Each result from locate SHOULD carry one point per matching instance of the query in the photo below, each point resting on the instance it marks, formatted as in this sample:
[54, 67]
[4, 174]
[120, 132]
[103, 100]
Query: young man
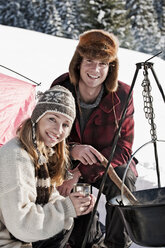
[100, 99]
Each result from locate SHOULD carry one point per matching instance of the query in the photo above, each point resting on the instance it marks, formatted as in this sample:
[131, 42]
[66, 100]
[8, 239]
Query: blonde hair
[56, 163]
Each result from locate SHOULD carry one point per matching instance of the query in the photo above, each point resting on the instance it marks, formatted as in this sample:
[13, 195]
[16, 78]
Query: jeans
[57, 241]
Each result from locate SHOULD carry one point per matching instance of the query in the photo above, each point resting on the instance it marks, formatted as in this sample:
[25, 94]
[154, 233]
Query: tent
[17, 100]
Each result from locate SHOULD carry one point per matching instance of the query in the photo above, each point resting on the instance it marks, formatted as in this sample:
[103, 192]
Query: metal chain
[148, 106]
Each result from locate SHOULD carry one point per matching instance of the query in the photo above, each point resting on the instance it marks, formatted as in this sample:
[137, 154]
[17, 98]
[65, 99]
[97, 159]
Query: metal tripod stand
[150, 116]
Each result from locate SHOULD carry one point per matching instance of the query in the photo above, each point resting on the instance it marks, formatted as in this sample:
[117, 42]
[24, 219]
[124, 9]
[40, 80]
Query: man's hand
[68, 185]
[86, 154]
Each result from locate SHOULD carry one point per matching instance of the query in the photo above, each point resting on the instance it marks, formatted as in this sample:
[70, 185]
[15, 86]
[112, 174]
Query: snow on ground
[43, 57]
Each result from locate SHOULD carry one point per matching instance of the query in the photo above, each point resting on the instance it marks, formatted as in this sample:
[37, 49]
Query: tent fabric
[17, 100]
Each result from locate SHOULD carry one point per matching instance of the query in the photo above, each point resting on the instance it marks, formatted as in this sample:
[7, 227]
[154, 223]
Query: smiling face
[53, 128]
[93, 72]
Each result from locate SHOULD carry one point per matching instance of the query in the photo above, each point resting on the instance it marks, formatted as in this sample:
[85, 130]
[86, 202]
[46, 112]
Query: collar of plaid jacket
[109, 102]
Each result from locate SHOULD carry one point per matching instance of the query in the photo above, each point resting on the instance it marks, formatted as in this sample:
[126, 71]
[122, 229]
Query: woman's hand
[86, 154]
[82, 204]
[68, 185]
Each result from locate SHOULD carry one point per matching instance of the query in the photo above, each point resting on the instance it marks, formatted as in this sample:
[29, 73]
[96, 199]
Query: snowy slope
[43, 57]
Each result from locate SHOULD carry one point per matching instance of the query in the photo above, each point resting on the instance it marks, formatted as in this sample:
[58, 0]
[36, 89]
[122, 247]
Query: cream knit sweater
[19, 215]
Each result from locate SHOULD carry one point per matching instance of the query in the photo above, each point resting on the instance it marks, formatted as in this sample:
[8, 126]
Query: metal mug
[84, 188]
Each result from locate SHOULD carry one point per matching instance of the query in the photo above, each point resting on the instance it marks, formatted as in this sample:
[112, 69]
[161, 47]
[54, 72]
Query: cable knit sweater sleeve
[18, 212]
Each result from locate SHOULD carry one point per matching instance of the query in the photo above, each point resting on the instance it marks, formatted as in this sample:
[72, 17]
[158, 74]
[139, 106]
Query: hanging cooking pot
[145, 221]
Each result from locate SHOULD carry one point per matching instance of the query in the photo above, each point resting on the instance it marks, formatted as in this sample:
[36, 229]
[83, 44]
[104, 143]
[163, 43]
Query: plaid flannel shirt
[102, 125]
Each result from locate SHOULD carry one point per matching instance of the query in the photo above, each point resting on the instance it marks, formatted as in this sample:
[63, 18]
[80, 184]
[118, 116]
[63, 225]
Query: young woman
[32, 165]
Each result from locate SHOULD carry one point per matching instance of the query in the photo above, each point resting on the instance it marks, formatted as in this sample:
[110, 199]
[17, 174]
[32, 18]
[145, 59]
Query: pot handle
[127, 166]
[116, 179]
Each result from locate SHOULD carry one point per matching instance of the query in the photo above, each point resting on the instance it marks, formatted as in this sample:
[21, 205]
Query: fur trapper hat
[97, 45]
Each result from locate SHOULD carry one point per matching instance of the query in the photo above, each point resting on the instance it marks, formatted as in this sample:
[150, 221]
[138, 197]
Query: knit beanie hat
[58, 99]
[97, 45]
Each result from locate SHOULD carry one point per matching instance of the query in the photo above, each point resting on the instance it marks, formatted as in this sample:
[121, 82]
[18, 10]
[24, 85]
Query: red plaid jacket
[100, 129]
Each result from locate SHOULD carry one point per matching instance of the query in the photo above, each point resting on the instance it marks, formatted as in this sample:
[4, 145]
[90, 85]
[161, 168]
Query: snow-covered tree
[144, 25]
[115, 20]
[67, 12]
[39, 15]
[160, 9]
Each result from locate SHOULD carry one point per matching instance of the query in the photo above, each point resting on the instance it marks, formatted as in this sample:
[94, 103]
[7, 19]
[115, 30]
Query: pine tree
[160, 9]
[68, 14]
[38, 15]
[144, 25]
[42, 16]
[115, 20]
[88, 15]
[108, 15]
[11, 14]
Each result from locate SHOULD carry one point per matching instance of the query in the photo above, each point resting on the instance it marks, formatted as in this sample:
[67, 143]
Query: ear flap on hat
[74, 68]
[111, 81]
